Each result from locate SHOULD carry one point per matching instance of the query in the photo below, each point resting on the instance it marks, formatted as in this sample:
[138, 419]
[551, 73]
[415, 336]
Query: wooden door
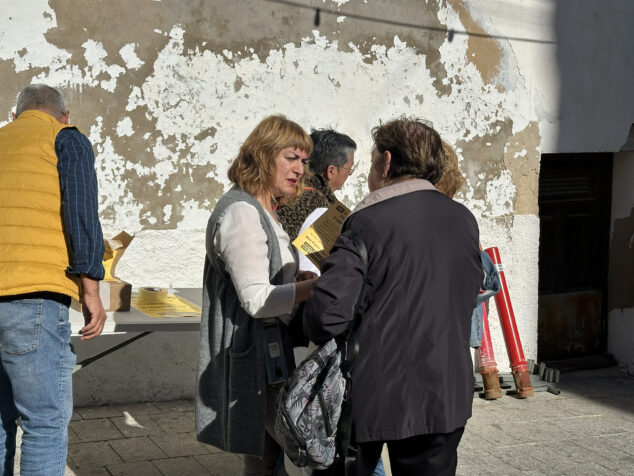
[574, 209]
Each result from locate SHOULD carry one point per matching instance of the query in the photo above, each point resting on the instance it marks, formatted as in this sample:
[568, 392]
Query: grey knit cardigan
[231, 377]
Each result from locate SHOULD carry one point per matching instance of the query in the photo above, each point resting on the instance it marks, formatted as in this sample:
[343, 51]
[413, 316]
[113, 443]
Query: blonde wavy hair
[254, 168]
[451, 179]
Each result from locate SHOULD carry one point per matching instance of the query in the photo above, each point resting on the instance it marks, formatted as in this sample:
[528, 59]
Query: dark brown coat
[413, 374]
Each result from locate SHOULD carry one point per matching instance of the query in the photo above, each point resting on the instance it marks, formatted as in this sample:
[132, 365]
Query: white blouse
[240, 242]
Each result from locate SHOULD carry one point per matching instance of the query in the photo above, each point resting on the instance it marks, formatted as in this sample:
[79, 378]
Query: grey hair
[41, 97]
[329, 148]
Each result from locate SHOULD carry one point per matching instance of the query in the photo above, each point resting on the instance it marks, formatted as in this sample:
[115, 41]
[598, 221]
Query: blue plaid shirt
[78, 185]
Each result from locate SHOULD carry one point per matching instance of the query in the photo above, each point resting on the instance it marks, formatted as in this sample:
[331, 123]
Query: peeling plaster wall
[167, 90]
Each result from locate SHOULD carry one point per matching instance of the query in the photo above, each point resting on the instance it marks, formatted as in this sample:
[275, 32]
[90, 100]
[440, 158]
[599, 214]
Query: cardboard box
[119, 294]
[115, 293]
[115, 296]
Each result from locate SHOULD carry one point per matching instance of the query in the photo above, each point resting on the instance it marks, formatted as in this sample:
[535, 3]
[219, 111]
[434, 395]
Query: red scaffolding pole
[486, 358]
[519, 368]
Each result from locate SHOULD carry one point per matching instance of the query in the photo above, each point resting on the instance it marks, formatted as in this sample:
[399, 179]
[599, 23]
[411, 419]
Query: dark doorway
[574, 209]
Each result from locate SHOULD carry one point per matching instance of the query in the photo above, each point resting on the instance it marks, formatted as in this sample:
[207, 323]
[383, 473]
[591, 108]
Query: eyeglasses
[350, 170]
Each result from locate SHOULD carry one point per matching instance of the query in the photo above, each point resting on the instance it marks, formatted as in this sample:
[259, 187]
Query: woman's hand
[306, 275]
[303, 288]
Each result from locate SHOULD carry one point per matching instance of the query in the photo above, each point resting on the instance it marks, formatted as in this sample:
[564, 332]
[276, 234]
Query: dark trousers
[435, 454]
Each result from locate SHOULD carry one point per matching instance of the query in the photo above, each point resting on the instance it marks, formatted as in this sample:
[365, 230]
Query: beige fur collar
[391, 191]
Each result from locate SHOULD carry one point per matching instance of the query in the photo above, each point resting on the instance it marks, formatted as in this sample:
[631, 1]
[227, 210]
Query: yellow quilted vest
[33, 251]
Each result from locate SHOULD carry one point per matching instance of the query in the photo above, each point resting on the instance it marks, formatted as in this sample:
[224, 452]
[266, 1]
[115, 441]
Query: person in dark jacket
[412, 380]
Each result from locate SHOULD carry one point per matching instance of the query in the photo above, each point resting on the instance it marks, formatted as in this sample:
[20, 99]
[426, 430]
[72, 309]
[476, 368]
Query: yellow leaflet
[317, 240]
[172, 306]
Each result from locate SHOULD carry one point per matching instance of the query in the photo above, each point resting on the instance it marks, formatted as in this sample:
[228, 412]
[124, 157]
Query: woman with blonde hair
[451, 180]
[251, 285]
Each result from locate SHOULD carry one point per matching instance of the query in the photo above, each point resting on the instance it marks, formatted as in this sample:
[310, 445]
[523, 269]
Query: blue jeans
[491, 285]
[36, 365]
[379, 470]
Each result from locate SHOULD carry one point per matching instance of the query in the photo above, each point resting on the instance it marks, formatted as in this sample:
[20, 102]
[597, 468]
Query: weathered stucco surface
[167, 96]
[483, 51]
[167, 90]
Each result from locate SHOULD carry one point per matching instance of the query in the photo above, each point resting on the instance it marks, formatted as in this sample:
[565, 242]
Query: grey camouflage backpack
[309, 408]
[312, 422]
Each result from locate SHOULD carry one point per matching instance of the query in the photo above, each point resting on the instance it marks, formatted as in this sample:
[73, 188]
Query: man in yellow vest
[51, 250]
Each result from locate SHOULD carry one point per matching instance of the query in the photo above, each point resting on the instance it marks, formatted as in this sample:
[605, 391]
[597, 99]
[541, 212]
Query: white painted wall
[552, 73]
[622, 186]
[583, 98]
[576, 58]
[621, 320]
[621, 337]
[158, 367]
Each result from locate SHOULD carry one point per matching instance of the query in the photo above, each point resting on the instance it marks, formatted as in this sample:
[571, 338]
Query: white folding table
[121, 322]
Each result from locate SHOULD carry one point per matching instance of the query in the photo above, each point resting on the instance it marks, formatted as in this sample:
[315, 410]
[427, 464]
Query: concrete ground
[587, 429]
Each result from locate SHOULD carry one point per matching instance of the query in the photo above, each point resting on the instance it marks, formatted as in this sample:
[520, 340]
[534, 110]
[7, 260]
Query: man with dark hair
[51, 250]
[331, 163]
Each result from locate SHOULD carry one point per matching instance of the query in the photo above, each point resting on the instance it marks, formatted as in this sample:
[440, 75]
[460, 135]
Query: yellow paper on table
[317, 240]
[168, 306]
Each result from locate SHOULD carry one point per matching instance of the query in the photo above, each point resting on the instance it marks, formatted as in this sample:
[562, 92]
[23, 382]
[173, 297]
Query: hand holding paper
[317, 240]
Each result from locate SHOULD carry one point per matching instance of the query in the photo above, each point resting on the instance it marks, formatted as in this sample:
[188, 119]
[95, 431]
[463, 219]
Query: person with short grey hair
[52, 251]
[42, 97]
[332, 150]
[331, 163]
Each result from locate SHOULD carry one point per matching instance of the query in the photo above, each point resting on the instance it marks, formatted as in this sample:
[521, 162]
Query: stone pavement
[587, 429]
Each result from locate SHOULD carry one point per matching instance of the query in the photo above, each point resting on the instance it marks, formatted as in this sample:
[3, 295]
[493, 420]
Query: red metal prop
[486, 357]
[519, 367]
